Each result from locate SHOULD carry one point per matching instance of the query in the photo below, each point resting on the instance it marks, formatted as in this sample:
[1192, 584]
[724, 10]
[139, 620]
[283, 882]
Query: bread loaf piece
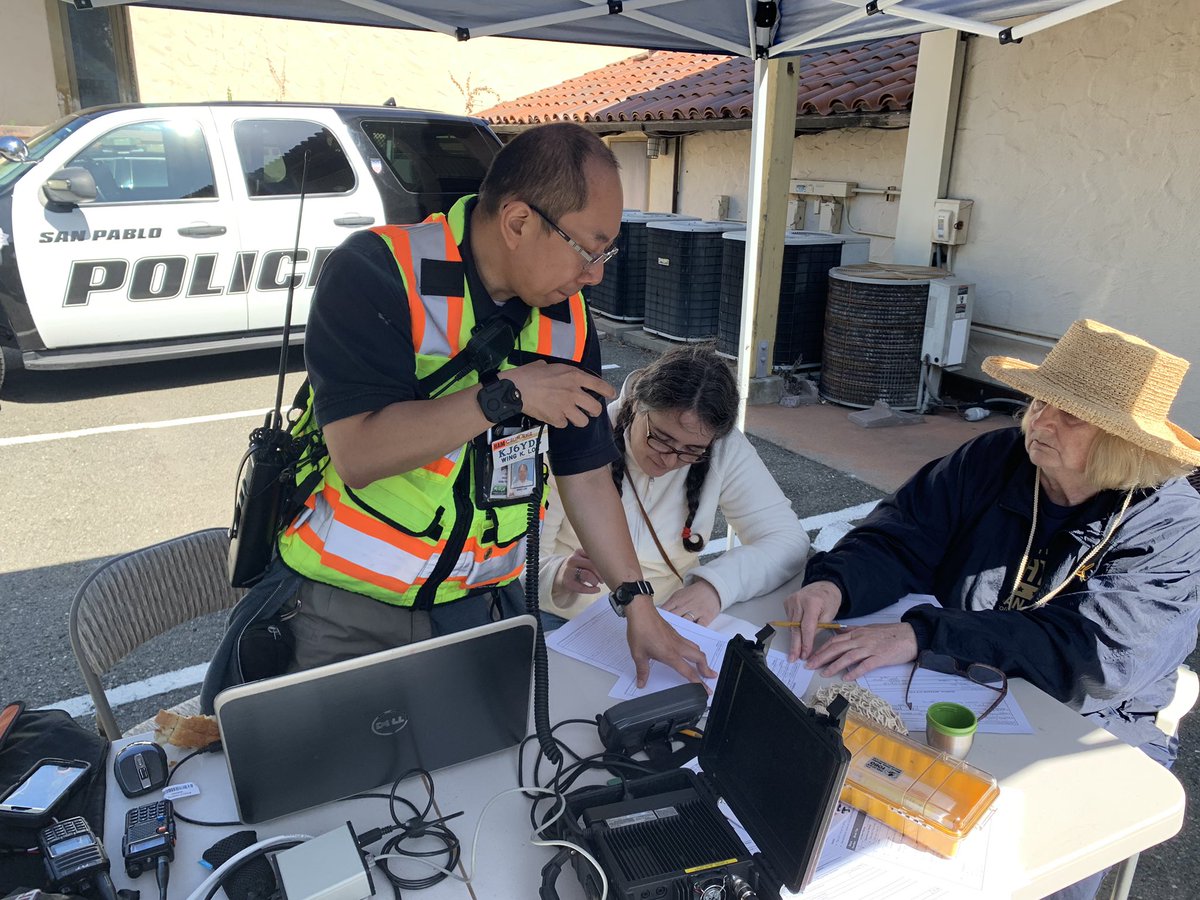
[191, 732]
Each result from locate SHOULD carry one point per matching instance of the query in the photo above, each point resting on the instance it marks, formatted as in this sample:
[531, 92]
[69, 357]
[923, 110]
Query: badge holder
[508, 464]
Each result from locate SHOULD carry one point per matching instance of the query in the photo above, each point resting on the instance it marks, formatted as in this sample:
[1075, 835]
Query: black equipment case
[779, 766]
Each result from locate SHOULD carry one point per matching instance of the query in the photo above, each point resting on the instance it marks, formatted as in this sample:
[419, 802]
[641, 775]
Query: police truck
[143, 232]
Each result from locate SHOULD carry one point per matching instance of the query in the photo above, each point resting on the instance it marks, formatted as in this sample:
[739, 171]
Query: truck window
[39, 146]
[272, 152]
[433, 157]
[144, 161]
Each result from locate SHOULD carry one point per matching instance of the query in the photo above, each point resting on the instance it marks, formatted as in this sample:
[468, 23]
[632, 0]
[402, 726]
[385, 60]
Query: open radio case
[780, 767]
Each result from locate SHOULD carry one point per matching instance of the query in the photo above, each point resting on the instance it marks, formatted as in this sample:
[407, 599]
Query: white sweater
[773, 547]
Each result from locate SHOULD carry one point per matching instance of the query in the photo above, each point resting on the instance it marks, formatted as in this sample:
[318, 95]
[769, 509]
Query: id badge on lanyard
[509, 464]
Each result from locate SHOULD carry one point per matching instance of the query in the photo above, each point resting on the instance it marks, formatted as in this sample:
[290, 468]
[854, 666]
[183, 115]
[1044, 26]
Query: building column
[930, 143]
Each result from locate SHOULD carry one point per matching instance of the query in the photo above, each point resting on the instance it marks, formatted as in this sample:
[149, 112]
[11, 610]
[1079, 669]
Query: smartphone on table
[41, 790]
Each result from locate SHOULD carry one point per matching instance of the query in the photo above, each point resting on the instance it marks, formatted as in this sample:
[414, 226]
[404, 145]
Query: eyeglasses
[979, 673]
[590, 259]
[662, 445]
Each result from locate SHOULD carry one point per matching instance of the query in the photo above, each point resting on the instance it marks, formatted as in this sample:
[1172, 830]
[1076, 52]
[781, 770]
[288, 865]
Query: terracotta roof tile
[667, 85]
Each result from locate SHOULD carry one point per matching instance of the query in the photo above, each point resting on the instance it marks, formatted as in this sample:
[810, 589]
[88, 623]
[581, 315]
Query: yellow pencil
[827, 626]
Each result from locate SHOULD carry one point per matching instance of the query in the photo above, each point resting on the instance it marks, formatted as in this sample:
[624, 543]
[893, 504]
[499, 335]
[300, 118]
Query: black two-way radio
[265, 476]
[75, 859]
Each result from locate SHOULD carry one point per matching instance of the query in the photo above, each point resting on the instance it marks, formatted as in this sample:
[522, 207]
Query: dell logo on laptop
[388, 722]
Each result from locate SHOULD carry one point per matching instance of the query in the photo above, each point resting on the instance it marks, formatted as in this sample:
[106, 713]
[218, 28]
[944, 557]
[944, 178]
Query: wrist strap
[653, 533]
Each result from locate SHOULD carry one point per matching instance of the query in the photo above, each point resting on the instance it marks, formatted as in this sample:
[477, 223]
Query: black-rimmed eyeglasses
[978, 673]
[662, 445]
[590, 259]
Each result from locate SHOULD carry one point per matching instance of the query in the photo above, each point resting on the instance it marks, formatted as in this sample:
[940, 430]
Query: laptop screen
[301, 740]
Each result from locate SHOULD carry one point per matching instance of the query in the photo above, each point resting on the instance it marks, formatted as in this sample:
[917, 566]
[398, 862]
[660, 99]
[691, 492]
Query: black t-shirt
[360, 356]
[1051, 519]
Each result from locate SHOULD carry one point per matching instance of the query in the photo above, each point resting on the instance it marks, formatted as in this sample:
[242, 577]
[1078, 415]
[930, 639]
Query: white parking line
[169, 681]
[138, 690]
[132, 426]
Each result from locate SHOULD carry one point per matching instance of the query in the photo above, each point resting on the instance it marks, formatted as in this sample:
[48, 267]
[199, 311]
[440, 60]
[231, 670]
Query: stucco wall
[718, 163]
[28, 91]
[1081, 150]
[201, 56]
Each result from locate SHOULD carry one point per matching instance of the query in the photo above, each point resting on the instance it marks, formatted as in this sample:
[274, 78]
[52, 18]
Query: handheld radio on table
[149, 836]
[75, 859]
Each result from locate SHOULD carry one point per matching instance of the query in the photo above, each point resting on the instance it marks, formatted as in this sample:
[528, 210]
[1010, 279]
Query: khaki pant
[331, 624]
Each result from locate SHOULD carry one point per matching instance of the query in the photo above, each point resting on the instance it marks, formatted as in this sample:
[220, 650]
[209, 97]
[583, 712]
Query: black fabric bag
[48, 734]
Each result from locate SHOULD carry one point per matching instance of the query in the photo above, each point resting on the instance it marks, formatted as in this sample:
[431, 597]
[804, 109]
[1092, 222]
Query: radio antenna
[275, 419]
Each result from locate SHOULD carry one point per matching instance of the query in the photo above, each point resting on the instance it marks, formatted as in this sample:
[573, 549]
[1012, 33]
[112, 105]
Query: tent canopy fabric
[748, 28]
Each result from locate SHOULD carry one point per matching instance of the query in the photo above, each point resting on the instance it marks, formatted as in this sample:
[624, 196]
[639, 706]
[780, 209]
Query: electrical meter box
[950, 221]
[947, 322]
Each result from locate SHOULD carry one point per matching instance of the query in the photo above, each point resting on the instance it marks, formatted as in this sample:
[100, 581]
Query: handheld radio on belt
[266, 473]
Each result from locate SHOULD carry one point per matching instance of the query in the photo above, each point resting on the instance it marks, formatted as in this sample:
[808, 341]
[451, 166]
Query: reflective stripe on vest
[388, 538]
[360, 547]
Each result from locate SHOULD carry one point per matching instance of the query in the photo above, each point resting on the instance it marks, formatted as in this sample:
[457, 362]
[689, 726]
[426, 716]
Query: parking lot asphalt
[104, 461]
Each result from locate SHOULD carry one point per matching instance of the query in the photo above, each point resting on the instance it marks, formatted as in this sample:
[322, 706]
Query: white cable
[223, 869]
[533, 839]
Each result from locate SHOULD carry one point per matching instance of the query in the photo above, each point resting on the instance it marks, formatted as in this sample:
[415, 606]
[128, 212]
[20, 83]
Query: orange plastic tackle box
[929, 796]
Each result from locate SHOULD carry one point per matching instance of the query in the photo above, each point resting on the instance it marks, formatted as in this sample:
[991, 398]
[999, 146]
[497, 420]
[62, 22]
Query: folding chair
[1187, 690]
[140, 595]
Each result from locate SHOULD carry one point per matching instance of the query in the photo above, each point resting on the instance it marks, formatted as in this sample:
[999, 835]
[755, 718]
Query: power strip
[329, 867]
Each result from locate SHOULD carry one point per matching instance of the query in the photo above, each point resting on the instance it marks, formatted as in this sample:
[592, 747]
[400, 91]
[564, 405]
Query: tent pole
[772, 136]
[1066, 14]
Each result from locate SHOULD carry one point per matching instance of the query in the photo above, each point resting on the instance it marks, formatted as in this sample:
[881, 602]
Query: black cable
[162, 873]
[565, 776]
[207, 748]
[413, 828]
[541, 662]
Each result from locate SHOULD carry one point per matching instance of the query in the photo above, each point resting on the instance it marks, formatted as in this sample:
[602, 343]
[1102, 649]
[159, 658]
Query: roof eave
[666, 127]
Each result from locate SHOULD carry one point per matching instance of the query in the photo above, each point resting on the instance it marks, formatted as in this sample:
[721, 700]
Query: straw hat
[1115, 381]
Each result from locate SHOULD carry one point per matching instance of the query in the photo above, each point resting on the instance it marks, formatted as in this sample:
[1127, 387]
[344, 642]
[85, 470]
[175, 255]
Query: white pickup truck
[131, 233]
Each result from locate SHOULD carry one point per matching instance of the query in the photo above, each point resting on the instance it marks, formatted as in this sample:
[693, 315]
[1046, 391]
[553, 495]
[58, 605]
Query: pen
[826, 626]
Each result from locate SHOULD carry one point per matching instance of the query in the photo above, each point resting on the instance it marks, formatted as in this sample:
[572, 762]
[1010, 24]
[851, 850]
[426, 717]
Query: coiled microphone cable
[541, 664]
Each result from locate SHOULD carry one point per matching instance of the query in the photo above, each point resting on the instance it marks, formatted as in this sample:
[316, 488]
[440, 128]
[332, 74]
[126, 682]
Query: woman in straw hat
[1066, 552]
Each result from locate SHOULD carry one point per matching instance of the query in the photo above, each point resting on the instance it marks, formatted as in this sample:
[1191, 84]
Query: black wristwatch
[499, 398]
[623, 596]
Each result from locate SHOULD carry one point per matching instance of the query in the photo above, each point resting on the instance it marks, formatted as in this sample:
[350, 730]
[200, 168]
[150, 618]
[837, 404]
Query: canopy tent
[769, 32]
[749, 28]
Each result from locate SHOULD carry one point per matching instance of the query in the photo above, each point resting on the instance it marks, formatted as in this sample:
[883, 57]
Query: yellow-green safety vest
[418, 538]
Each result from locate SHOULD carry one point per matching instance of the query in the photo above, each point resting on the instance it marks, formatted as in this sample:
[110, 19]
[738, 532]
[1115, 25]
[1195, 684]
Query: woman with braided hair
[681, 460]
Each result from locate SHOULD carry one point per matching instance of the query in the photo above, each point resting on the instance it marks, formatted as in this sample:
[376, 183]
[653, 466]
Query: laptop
[304, 739]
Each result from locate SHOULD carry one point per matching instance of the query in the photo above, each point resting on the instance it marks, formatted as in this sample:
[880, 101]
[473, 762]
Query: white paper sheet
[794, 675]
[891, 614]
[931, 687]
[863, 858]
[854, 836]
[597, 637]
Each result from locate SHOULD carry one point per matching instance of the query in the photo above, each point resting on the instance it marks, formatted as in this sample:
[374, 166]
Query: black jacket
[1107, 646]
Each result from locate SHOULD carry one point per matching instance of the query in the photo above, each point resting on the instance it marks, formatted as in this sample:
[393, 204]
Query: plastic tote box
[931, 797]
[683, 278]
[621, 294]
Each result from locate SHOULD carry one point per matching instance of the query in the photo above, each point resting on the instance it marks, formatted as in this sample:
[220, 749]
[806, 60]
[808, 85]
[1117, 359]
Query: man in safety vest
[416, 525]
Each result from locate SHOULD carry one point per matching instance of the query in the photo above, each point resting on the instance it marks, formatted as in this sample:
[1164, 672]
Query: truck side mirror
[67, 188]
[13, 149]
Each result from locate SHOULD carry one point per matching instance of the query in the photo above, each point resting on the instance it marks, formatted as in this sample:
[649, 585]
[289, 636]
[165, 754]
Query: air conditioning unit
[947, 323]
